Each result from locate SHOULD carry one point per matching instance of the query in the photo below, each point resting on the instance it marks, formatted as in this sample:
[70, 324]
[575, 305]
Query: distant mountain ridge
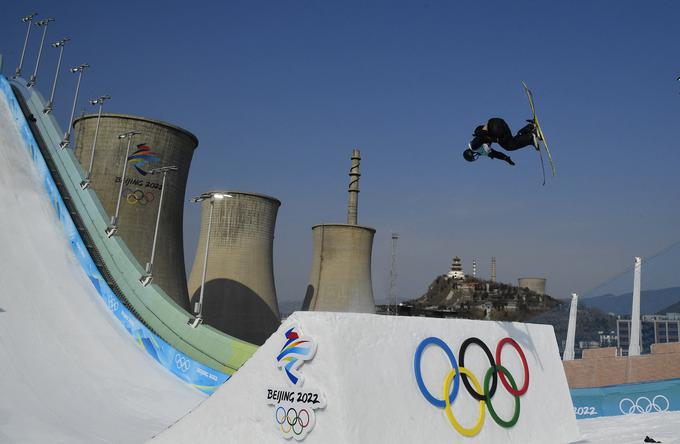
[651, 301]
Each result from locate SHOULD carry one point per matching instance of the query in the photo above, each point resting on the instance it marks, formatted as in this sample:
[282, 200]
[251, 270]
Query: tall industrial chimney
[340, 278]
[493, 269]
[474, 268]
[571, 330]
[159, 144]
[240, 296]
[354, 175]
[634, 346]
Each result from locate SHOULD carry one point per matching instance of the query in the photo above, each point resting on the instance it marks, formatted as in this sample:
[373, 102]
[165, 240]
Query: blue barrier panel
[187, 369]
[626, 399]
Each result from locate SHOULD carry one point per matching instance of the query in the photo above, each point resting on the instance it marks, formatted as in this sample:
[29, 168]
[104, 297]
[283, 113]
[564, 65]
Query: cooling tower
[239, 297]
[159, 144]
[340, 279]
[537, 285]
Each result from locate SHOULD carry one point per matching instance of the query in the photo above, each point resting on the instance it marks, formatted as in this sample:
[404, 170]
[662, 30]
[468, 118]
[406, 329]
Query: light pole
[67, 135]
[198, 307]
[98, 101]
[113, 227]
[44, 24]
[148, 276]
[28, 19]
[60, 44]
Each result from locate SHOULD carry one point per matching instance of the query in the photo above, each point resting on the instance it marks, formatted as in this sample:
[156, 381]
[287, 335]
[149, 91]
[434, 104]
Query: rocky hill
[473, 298]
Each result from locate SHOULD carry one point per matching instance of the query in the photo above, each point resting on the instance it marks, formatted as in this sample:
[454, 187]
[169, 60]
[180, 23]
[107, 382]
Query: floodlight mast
[60, 45]
[113, 227]
[67, 136]
[147, 277]
[44, 24]
[98, 101]
[28, 19]
[198, 307]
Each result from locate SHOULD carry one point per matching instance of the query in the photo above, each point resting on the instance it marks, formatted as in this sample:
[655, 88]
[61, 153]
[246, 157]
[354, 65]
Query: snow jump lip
[202, 357]
[370, 374]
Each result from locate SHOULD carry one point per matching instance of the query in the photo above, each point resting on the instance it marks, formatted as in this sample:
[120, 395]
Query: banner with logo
[627, 399]
[193, 372]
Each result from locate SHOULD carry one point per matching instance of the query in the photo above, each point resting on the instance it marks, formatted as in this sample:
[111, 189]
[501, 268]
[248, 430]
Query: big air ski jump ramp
[71, 307]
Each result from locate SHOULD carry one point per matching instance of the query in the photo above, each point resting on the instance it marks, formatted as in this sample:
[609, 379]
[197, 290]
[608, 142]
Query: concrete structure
[340, 278]
[571, 329]
[493, 269]
[635, 341]
[456, 270]
[474, 268]
[167, 145]
[537, 285]
[240, 295]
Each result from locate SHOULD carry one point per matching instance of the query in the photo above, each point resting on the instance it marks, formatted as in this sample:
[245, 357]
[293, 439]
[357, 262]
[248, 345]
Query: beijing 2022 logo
[294, 406]
[458, 373]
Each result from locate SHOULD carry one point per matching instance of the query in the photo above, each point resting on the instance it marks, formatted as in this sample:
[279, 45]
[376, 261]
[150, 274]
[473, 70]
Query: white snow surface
[364, 367]
[631, 429]
[69, 372]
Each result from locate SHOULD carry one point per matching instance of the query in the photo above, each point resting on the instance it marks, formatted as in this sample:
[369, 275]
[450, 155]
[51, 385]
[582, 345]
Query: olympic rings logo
[471, 383]
[182, 363]
[642, 405]
[112, 303]
[138, 196]
[292, 422]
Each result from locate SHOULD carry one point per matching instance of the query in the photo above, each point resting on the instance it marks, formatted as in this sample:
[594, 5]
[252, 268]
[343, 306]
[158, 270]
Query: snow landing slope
[69, 372]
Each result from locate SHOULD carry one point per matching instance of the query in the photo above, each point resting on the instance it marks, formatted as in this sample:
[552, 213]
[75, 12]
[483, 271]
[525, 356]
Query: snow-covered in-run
[631, 429]
[69, 372]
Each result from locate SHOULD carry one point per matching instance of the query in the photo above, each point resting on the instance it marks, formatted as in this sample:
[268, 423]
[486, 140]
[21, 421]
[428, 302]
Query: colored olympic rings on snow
[419, 378]
[476, 394]
[138, 196]
[484, 393]
[292, 420]
[449, 412]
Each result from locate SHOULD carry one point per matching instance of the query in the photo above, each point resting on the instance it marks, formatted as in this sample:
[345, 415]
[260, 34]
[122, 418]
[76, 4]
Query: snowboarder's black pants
[499, 131]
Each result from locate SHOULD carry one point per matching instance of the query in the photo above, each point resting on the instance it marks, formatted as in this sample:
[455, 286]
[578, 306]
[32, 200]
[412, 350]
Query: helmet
[470, 155]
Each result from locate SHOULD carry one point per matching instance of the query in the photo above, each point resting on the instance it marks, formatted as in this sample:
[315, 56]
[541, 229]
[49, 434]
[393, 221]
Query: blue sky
[280, 92]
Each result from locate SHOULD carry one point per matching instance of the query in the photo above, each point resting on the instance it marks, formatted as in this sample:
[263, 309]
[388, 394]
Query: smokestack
[159, 144]
[354, 175]
[634, 347]
[493, 269]
[474, 268]
[571, 330]
[239, 297]
[340, 278]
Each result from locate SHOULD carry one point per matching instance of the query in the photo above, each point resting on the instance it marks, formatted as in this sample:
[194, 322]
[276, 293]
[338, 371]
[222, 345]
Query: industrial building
[654, 329]
[340, 276]
[537, 285]
[159, 144]
[240, 294]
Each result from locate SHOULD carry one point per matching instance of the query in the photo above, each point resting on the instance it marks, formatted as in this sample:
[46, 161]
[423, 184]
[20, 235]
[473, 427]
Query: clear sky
[280, 92]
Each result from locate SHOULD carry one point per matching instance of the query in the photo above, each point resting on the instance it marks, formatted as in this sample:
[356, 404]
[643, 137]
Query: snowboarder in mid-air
[497, 131]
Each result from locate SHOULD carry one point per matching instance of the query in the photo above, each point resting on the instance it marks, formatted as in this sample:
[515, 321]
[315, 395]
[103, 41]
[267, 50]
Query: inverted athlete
[497, 131]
